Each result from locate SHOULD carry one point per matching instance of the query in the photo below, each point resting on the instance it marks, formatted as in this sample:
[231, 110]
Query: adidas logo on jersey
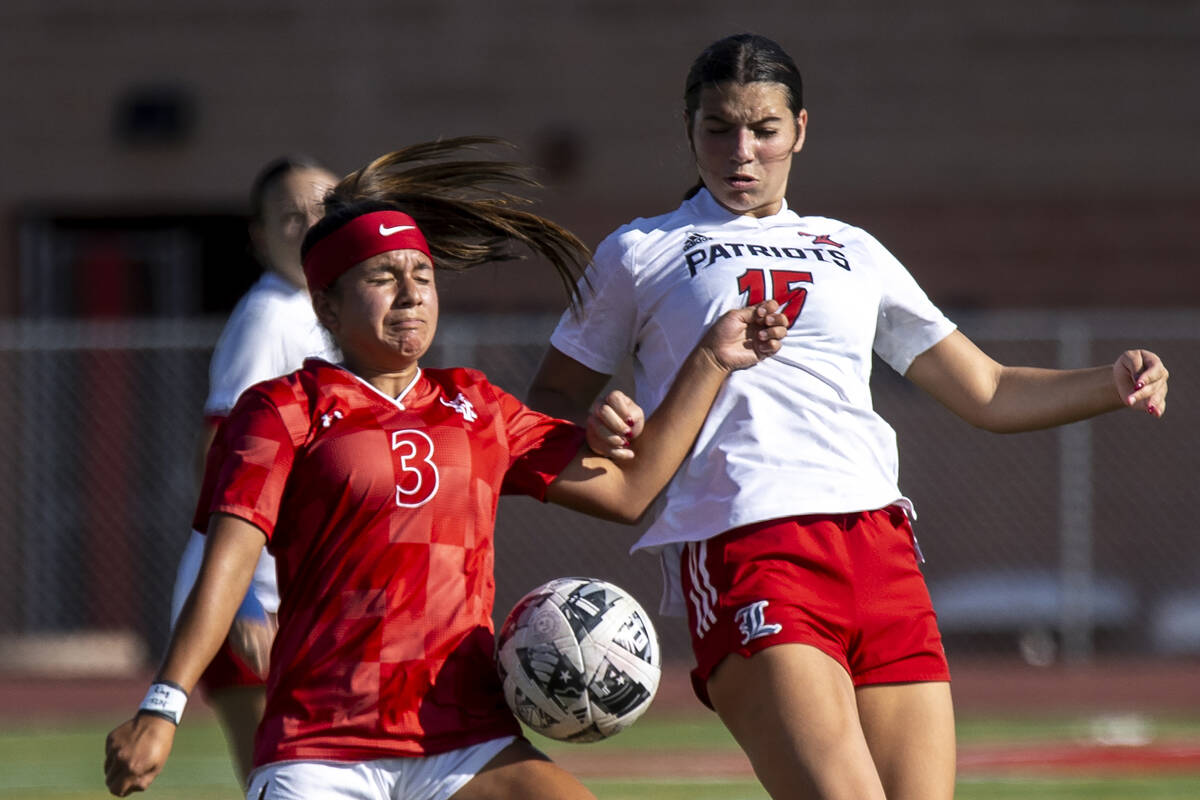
[692, 240]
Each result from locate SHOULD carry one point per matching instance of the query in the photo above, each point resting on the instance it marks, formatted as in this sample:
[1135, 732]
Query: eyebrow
[715, 117]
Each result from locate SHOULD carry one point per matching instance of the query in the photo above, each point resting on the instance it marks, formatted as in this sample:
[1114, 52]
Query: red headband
[356, 241]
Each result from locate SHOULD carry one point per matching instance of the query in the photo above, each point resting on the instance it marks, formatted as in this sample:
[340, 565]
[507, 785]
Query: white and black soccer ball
[579, 659]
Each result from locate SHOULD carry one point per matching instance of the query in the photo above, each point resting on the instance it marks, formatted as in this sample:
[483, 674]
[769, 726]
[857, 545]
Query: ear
[801, 129]
[687, 130]
[325, 307]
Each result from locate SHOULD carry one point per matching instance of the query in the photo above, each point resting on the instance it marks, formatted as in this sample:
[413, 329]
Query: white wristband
[166, 700]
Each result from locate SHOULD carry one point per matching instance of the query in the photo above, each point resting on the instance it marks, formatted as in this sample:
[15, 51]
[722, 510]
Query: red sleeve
[248, 465]
[540, 447]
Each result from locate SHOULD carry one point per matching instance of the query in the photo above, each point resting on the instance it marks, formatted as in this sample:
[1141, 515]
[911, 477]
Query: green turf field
[51, 761]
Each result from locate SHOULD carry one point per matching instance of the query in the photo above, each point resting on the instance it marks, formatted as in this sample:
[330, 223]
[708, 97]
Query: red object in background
[104, 278]
[104, 282]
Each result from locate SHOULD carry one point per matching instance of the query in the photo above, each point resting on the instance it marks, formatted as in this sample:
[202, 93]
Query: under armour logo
[692, 240]
[462, 405]
[327, 419]
[751, 624]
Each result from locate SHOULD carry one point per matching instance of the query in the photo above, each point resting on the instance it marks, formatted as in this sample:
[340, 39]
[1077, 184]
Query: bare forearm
[622, 491]
[736, 340]
[203, 625]
[1006, 399]
[208, 612]
[1028, 399]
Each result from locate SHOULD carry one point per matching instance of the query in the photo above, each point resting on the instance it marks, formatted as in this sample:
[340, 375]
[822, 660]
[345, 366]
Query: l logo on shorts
[751, 624]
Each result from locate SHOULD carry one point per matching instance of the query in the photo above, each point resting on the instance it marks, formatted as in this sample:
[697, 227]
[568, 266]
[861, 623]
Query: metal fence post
[1076, 567]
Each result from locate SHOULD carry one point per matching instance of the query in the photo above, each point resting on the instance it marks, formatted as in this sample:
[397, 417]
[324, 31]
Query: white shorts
[418, 778]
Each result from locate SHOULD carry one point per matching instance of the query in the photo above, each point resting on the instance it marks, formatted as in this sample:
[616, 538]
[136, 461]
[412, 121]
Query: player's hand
[250, 639]
[612, 424]
[135, 752]
[1141, 379]
[744, 336]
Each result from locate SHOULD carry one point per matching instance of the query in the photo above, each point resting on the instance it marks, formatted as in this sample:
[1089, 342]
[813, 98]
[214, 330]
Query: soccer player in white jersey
[270, 332]
[785, 534]
[375, 484]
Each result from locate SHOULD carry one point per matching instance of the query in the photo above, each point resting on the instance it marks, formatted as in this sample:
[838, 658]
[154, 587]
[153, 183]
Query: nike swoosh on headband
[386, 231]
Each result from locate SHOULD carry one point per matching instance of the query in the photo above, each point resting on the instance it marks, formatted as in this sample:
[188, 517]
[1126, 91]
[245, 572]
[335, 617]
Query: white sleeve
[247, 352]
[601, 332]
[908, 323]
[186, 573]
[263, 588]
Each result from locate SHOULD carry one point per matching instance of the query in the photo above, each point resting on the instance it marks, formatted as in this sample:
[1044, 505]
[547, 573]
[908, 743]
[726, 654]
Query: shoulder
[271, 306]
[837, 227]
[823, 225]
[639, 235]
[643, 227]
[303, 386]
[274, 297]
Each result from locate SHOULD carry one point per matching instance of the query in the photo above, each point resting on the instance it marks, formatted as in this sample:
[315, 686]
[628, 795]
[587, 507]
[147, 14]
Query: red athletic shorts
[227, 671]
[847, 584]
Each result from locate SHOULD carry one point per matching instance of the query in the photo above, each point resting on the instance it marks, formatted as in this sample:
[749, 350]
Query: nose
[407, 292]
[743, 146]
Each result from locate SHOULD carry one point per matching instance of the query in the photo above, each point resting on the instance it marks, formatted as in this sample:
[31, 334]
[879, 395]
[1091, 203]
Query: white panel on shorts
[418, 778]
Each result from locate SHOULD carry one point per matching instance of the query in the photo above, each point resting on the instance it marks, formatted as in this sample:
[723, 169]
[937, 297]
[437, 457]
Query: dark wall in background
[1030, 153]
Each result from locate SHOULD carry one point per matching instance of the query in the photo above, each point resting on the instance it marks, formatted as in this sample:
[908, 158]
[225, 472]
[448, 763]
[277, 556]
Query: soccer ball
[579, 659]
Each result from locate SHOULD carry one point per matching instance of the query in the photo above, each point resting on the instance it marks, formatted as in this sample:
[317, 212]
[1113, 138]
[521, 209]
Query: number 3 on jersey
[417, 474]
[753, 284]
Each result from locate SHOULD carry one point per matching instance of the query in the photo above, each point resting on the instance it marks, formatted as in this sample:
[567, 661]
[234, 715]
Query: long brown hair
[468, 208]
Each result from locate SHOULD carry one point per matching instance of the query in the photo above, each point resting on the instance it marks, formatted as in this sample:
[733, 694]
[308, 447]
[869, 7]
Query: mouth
[741, 181]
[406, 324]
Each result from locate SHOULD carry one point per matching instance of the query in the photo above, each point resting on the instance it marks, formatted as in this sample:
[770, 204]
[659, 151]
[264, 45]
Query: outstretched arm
[1005, 399]
[623, 490]
[136, 751]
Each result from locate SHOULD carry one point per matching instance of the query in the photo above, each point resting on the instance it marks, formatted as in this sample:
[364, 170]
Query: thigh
[792, 708]
[910, 730]
[523, 771]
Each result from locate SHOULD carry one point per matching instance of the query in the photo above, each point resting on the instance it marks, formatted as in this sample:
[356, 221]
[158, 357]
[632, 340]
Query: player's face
[291, 204]
[383, 312]
[744, 136]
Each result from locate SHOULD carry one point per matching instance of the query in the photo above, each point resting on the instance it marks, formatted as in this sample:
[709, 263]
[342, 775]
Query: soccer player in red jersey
[374, 482]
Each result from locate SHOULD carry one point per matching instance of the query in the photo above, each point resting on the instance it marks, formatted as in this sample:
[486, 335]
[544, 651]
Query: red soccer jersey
[380, 514]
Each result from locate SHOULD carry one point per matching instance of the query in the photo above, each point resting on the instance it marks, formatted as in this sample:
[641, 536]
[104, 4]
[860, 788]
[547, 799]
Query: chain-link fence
[1075, 542]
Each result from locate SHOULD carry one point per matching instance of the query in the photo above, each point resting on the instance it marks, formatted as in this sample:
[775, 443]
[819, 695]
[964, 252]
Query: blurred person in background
[270, 333]
[375, 483]
[785, 535]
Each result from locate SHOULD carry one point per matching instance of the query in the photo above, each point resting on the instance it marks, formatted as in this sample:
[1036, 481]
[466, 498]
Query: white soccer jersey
[271, 331]
[796, 434]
